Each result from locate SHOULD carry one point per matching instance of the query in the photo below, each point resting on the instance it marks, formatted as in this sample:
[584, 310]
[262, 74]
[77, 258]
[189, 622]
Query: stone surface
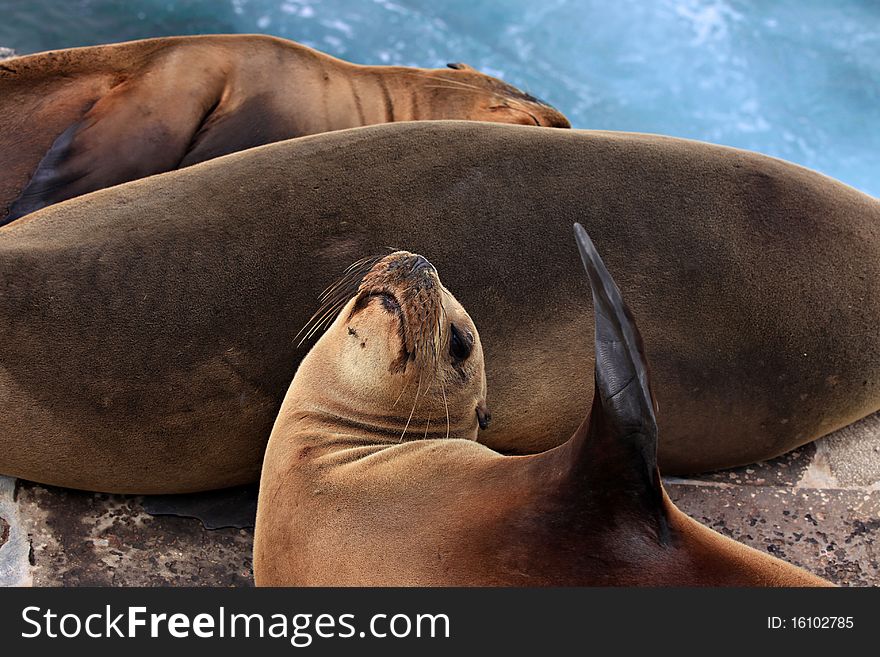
[15, 567]
[786, 470]
[833, 533]
[89, 539]
[853, 454]
[817, 507]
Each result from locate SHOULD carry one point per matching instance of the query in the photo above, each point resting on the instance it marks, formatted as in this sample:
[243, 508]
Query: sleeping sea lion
[148, 333]
[73, 121]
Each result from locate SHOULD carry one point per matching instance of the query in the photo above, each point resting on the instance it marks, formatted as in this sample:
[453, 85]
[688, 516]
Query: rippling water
[798, 79]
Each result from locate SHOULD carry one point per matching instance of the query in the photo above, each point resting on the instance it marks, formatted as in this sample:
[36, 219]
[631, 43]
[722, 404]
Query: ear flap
[484, 417]
[618, 443]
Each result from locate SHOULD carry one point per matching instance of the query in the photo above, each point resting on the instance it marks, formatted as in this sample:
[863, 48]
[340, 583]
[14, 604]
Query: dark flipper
[230, 507]
[48, 180]
[138, 128]
[619, 443]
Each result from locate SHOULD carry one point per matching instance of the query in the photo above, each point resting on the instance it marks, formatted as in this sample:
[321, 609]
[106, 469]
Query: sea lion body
[346, 501]
[148, 334]
[77, 120]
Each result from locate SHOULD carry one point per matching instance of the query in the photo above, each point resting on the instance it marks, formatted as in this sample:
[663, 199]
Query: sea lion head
[402, 356]
[468, 92]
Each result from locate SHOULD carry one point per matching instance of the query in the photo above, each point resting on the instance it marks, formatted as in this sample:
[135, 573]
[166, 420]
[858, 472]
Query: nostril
[421, 263]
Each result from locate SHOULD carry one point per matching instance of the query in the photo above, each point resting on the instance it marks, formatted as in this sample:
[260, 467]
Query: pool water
[797, 79]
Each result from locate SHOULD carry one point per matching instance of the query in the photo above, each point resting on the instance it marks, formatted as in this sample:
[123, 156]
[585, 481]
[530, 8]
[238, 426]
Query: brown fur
[147, 333]
[88, 118]
[345, 502]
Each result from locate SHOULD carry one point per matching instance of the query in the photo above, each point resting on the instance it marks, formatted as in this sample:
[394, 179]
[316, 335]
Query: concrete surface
[15, 547]
[818, 507]
[93, 539]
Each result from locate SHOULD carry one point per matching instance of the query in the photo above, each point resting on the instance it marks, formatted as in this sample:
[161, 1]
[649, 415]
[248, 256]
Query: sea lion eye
[460, 344]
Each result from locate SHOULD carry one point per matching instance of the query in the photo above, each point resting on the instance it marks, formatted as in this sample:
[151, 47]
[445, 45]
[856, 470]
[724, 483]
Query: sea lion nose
[556, 119]
[560, 122]
[421, 263]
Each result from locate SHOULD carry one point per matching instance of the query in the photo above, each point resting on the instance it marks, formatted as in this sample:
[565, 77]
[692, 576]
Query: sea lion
[353, 494]
[73, 121]
[148, 333]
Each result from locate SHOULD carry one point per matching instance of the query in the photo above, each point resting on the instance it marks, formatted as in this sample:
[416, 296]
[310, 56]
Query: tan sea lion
[148, 333]
[353, 493]
[73, 121]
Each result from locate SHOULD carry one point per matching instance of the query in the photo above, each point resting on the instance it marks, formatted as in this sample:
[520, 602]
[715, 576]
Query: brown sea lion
[148, 333]
[73, 121]
[354, 493]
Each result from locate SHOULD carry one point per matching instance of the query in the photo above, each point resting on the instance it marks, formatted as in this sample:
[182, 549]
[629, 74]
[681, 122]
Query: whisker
[446, 404]
[444, 86]
[319, 318]
[439, 78]
[427, 424]
[406, 385]
[352, 272]
[319, 327]
[412, 412]
[349, 270]
[343, 283]
[325, 304]
[335, 296]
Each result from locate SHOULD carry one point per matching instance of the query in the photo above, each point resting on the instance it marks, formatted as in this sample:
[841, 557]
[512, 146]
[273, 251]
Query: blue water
[798, 79]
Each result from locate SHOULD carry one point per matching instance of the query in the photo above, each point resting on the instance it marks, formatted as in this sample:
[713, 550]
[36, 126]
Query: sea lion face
[491, 99]
[405, 349]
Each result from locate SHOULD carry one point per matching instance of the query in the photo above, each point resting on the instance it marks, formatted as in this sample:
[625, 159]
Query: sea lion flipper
[38, 191]
[621, 367]
[621, 435]
[137, 129]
